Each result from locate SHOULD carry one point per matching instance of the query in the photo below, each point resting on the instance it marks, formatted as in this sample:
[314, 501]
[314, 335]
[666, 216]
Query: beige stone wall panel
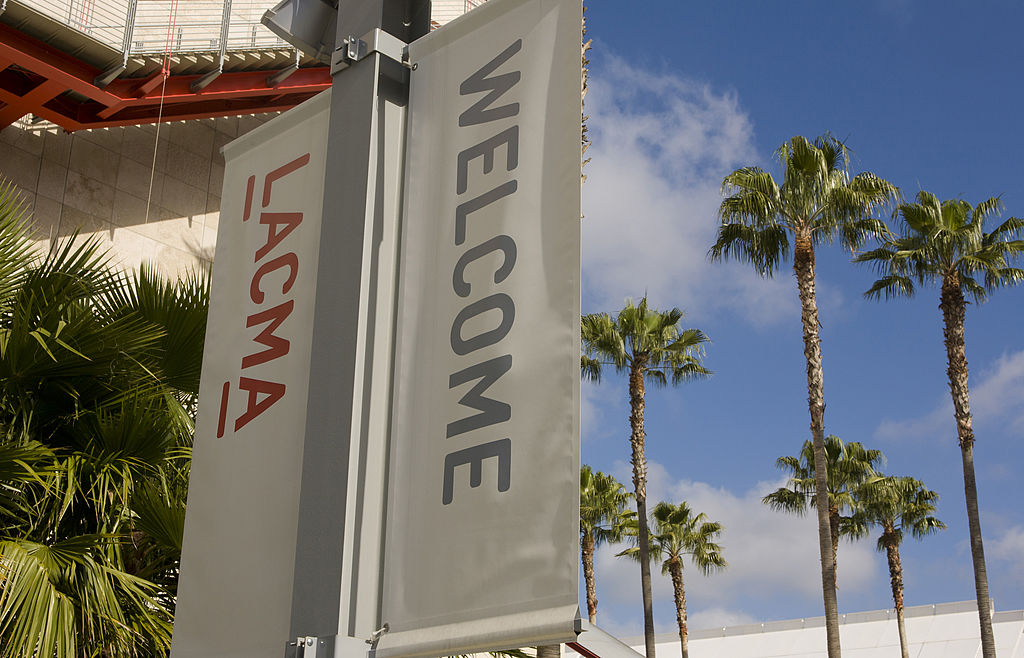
[195, 136]
[52, 180]
[97, 182]
[46, 214]
[89, 195]
[30, 142]
[96, 160]
[137, 144]
[134, 178]
[19, 166]
[187, 166]
[56, 145]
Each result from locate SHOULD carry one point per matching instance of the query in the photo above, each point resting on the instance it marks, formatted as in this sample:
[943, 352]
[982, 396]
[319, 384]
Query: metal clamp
[306, 647]
[376, 635]
[353, 49]
[336, 645]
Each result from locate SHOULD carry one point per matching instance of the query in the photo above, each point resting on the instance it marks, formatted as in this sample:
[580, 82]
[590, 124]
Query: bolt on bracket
[353, 49]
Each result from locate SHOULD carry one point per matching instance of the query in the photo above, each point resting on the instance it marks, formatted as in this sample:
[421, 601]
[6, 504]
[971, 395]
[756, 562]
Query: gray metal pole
[338, 564]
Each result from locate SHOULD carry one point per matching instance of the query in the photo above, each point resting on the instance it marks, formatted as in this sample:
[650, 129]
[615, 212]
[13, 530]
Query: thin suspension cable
[165, 71]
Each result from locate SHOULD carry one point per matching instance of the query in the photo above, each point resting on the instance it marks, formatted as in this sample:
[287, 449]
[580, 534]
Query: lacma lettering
[489, 315]
[262, 394]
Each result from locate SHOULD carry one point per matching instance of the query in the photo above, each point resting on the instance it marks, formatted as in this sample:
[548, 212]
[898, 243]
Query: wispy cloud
[1009, 549]
[718, 617]
[996, 396]
[662, 145]
[597, 419]
[772, 557]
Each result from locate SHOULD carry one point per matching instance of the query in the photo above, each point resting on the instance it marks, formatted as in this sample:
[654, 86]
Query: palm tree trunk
[587, 550]
[953, 313]
[675, 569]
[833, 528]
[636, 440]
[892, 552]
[803, 267]
[549, 651]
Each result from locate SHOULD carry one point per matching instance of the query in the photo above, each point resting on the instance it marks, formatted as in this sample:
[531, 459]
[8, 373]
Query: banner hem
[537, 627]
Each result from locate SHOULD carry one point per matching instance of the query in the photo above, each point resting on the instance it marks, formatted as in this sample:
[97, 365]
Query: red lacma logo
[262, 393]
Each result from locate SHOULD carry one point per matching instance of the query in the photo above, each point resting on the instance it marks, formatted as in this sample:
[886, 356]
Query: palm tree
[648, 345]
[849, 465]
[817, 202]
[945, 243]
[679, 532]
[896, 505]
[97, 371]
[602, 511]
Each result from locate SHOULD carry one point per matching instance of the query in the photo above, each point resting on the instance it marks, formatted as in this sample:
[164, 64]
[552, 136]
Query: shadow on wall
[147, 197]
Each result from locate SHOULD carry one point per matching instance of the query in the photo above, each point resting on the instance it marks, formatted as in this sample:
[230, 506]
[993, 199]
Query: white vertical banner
[482, 537]
[238, 558]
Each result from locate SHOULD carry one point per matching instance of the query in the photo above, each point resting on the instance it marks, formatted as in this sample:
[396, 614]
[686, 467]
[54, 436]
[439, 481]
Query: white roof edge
[954, 607]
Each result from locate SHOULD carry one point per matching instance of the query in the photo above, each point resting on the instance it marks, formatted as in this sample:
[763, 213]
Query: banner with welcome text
[482, 539]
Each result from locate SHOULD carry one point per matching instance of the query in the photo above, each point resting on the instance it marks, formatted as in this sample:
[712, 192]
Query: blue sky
[926, 95]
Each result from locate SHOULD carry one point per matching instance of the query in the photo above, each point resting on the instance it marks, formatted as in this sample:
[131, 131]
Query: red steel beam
[51, 63]
[243, 84]
[187, 111]
[19, 106]
[135, 101]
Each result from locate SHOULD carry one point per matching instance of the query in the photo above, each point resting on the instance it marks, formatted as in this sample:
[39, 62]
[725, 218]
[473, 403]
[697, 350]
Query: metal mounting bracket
[310, 647]
[328, 647]
[353, 49]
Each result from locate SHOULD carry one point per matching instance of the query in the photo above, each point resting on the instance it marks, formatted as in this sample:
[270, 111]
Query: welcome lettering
[486, 320]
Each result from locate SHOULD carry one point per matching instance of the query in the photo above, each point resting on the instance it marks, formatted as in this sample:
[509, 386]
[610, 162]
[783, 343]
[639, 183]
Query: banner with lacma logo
[238, 557]
[483, 510]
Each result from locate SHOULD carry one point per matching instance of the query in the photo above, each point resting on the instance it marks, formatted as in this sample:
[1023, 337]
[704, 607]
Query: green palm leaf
[15, 247]
[63, 600]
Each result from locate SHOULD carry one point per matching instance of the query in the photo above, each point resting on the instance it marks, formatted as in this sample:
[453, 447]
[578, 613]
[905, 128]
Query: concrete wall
[98, 183]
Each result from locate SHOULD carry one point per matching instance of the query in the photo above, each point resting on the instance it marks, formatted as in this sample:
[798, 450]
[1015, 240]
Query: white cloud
[1009, 548]
[996, 396]
[772, 557]
[596, 402]
[938, 420]
[1000, 394]
[661, 146]
[718, 617]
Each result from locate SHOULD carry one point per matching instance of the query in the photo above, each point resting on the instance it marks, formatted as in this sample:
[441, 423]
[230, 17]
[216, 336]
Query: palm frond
[849, 465]
[898, 505]
[765, 247]
[15, 246]
[178, 309]
[603, 502]
[590, 368]
[891, 286]
[62, 600]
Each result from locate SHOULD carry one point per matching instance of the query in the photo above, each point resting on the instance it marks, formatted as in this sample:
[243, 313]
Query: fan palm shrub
[98, 375]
